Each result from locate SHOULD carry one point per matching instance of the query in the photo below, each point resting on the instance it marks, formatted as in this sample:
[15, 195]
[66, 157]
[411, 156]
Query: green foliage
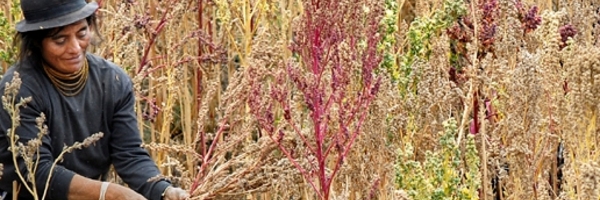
[388, 41]
[439, 176]
[420, 33]
[7, 32]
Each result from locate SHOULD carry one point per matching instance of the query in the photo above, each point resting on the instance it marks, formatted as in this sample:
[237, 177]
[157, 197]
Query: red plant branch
[207, 156]
[159, 27]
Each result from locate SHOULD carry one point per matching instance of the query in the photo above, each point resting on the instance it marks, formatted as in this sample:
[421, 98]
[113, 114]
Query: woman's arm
[131, 161]
[85, 188]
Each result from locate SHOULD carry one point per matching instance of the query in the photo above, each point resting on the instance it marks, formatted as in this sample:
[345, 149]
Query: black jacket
[106, 104]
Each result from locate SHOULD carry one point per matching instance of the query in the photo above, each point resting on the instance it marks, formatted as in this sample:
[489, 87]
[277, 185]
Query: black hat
[45, 14]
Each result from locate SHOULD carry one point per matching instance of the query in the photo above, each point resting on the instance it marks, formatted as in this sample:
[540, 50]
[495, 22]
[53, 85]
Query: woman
[80, 94]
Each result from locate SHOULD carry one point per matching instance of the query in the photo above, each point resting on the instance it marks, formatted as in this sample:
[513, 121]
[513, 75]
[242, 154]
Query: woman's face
[64, 51]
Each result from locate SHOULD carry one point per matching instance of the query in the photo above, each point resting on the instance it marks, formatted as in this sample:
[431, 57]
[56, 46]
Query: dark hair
[30, 43]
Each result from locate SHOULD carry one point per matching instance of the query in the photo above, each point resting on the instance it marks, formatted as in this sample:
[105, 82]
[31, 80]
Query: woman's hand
[174, 193]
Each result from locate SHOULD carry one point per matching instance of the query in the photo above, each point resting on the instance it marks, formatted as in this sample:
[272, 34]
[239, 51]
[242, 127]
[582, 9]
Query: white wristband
[103, 190]
[165, 192]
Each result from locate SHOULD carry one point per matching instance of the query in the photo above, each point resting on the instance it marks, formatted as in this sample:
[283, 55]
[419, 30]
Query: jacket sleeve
[27, 130]
[131, 161]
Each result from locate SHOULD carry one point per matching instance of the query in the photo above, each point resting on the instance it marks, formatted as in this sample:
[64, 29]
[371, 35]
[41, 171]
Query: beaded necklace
[68, 84]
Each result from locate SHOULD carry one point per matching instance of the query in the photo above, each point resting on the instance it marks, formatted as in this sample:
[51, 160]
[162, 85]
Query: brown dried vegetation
[533, 97]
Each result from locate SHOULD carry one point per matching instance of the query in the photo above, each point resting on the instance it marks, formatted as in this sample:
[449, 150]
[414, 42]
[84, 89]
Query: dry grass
[190, 62]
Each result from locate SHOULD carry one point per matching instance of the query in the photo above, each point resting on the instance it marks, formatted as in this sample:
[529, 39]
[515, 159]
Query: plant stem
[159, 27]
[484, 156]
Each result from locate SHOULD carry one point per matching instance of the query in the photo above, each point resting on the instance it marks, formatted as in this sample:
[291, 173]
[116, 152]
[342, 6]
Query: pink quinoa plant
[530, 18]
[566, 32]
[332, 79]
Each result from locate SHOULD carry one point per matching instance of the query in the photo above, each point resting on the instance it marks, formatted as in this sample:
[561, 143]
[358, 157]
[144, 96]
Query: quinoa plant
[331, 79]
[519, 80]
[419, 37]
[9, 14]
[566, 32]
[187, 60]
[27, 150]
[529, 17]
[440, 175]
[12, 103]
[388, 40]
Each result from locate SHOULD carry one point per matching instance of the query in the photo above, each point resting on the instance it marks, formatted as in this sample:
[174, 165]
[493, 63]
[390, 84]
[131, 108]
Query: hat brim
[73, 17]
